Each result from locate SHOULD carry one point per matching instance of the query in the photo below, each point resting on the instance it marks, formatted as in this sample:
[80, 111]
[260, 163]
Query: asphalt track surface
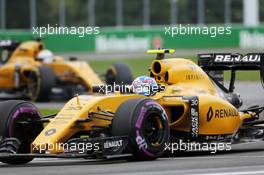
[240, 163]
[242, 160]
[252, 93]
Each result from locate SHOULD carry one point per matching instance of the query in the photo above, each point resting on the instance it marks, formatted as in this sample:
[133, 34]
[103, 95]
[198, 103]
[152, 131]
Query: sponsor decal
[63, 118]
[191, 66]
[218, 137]
[112, 43]
[221, 113]
[50, 132]
[113, 144]
[59, 122]
[157, 42]
[236, 58]
[251, 40]
[73, 108]
[194, 77]
[194, 116]
[141, 142]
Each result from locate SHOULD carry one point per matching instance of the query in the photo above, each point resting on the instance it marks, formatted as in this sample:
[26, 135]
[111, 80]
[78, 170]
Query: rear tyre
[119, 73]
[12, 113]
[145, 123]
[40, 84]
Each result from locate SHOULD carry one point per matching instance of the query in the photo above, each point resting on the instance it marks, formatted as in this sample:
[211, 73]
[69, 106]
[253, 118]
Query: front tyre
[146, 124]
[119, 73]
[14, 114]
[40, 84]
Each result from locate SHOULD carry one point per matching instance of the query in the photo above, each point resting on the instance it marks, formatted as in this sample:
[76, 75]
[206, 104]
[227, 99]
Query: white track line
[203, 171]
[234, 173]
[215, 157]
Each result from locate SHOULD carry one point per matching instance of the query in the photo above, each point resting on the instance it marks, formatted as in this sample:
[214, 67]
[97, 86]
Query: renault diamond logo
[210, 114]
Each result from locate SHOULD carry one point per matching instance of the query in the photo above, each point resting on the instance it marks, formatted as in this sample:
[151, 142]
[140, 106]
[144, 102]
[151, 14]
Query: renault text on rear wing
[227, 61]
[215, 63]
[236, 58]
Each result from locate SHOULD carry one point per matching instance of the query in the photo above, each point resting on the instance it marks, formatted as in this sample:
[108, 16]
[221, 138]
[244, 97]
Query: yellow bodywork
[24, 57]
[181, 78]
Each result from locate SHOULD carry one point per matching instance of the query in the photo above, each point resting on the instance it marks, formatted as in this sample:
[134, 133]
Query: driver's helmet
[144, 85]
[46, 56]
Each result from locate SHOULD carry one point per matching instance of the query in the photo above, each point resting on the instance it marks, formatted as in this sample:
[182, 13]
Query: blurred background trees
[77, 12]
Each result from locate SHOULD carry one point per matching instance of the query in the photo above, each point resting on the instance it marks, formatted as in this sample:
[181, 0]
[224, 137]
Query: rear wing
[229, 61]
[215, 63]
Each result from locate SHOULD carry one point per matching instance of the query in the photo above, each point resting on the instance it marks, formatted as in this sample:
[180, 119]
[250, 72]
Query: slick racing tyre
[15, 123]
[119, 73]
[146, 124]
[40, 84]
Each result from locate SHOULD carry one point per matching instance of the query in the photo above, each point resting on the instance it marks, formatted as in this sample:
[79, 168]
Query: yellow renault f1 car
[28, 70]
[184, 105]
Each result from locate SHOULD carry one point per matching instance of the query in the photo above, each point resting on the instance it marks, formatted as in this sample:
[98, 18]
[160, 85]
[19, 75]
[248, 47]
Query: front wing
[108, 147]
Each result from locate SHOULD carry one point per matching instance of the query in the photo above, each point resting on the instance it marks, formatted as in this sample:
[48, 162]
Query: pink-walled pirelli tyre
[146, 124]
[14, 114]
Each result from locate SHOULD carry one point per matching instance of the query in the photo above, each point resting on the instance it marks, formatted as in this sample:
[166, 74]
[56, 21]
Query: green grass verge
[245, 76]
[140, 66]
[45, 111]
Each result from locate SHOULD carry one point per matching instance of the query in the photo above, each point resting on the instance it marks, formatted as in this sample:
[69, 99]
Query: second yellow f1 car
[184, 105]
[27, 69]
